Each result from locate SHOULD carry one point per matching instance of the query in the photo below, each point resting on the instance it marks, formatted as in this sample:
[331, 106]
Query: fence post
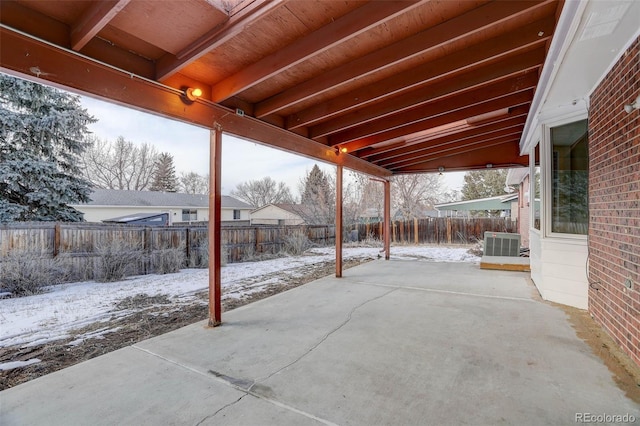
[416, 237]
[188, 246]
[56, 239]
[449, 230]
[257, 238]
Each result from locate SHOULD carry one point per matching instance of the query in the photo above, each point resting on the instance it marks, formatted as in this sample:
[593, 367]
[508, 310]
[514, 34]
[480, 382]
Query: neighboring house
[582, 136]
[113, 203]
[501, 203]
[279, 214]
[520, 178]
[371, 215]
[420, 213]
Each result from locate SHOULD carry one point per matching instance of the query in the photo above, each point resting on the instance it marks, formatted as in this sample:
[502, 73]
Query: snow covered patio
[392, 342]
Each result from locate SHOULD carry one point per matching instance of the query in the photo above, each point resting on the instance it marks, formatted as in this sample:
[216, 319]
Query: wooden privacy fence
[82, 245]
[437, 230]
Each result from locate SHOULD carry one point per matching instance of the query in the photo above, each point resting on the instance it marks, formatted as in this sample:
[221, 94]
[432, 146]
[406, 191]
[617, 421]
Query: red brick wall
[614, 203]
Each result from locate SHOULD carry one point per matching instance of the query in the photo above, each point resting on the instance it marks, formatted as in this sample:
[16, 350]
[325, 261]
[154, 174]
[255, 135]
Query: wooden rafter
[503, 155]
[428, 40]
[505, 119]
[338, 31]
[493, 97]
[515, 99]
[470, 136]
[93, 20]
[527, 37]
[458, 147]
[170, 64]
[457, 84]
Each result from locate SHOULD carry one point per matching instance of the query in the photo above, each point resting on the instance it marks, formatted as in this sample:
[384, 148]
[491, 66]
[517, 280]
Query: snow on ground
[55, 314]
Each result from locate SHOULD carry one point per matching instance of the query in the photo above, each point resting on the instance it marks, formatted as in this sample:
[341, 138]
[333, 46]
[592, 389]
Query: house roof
[402, 86]
[516, 175]
[489, 203]
[297, 209]
[116, 197]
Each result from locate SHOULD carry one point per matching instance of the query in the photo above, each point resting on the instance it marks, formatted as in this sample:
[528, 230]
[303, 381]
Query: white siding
[272, 215]
[100, 213]
[558, 269]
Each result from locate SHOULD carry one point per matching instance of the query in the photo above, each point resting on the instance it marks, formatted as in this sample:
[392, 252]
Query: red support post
[215, 199]
[387, 218]
[338, 221]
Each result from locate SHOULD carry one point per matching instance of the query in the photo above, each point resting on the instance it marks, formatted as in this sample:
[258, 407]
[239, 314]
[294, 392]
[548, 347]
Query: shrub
[25, 274]
[297, 243]
[169, 260]
[118, 258]
[204, 254]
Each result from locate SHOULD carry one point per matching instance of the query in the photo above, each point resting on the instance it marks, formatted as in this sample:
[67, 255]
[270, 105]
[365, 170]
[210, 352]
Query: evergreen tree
[43, 133]
[317, 197]
[164, 175]
[484, 184]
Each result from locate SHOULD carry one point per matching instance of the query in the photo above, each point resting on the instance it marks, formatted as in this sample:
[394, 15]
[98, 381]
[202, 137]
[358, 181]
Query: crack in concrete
[435, 290]
[260, 392]
[324, 338]
[210, 416]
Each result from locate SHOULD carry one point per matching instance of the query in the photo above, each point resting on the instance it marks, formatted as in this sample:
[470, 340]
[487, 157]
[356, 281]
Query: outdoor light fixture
[441, 170]
[489, 166]
[340, 150]
[193, 94]
[635, 105]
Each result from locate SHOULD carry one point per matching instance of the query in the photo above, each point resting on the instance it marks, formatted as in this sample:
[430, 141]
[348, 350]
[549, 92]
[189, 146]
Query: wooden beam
[488, 51]
[93, 20]
[438, 90]
[37, 61]
[215, 218]
[19, 17]
[170, 64]
[339, 229]
[426, 41]
[276, 137]
[458, 107]
[326, 37]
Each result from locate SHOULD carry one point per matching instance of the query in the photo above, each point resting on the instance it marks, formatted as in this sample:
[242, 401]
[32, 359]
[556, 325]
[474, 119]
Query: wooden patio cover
[401, 86]
[381, 87]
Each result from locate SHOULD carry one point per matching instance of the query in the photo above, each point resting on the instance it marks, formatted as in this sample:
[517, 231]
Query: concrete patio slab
[396, 342]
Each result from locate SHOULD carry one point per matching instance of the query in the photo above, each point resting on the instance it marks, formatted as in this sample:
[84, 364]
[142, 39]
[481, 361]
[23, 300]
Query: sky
[189, 145]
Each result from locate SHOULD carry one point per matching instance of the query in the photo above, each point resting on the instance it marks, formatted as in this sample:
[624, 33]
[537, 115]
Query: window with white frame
[569, 178]
[236, 215]
[189, 215]
[534, 200]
